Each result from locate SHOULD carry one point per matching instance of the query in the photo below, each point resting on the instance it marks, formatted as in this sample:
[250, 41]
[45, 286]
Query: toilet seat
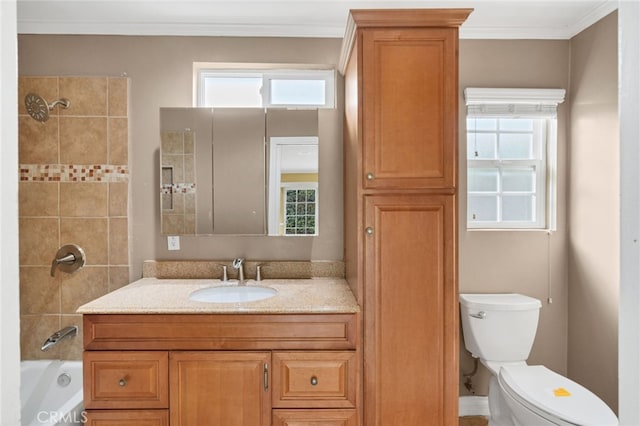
[553, 396]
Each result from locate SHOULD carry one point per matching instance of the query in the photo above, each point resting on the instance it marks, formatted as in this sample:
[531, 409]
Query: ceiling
[506, 19]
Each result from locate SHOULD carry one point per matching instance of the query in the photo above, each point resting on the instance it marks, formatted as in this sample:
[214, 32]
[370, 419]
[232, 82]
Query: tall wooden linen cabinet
[400, 177]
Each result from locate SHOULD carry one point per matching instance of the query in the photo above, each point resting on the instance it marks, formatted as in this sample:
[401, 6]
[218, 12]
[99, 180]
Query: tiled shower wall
[74, 186]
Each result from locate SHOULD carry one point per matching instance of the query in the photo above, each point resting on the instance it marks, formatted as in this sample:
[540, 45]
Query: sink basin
[232, 294]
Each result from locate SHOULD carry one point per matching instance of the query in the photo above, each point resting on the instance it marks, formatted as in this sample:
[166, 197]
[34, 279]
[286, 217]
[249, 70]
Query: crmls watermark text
[54, 417]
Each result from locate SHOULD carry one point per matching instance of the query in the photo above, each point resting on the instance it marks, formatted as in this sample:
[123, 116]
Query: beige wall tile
[118, 96]
[37, 142]
[38, 198]
[83, 199]
[47, 87]
[172, 224]
[118, 241]
[38, 240]
[118, 277]
[83, 140]
[118, 199]
[90, 234]
[88, 95]
[39, 291]
[71, 348]
[34, 330]
[83, 286]
[172, 143]
[118, 141]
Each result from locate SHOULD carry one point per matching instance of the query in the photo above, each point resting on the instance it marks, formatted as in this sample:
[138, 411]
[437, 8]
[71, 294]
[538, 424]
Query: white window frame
[521, 103]
[268, 73]
[275, 184]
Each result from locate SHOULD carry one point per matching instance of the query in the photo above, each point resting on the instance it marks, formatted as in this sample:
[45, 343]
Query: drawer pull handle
[122, 382]
[314, 380]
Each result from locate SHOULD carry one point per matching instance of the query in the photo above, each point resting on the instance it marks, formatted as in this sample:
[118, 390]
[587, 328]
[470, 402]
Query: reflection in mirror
[213, 171]
[293, 186]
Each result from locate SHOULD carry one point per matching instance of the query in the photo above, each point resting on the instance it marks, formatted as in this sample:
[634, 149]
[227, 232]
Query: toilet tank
[499, 327]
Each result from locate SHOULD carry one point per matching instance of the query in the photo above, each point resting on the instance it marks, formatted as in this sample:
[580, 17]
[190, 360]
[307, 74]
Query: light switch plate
[173, 243]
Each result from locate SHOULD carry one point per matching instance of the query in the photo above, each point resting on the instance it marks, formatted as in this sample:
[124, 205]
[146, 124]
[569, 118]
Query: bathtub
[51, 393]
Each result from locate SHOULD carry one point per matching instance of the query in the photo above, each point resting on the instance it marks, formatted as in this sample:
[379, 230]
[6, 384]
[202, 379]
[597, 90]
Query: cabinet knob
[314, 380]
[370, 176]
[122, 382]
[369, 230]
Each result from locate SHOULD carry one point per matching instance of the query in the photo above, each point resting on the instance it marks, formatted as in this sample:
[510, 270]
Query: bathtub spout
[56, 337]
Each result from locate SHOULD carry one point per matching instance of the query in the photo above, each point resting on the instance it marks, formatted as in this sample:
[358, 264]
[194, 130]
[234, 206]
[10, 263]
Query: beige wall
[86, 204]
[594, 204]
[527, 262]
[160, 71]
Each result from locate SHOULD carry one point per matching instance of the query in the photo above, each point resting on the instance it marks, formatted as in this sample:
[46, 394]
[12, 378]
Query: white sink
[232, 294]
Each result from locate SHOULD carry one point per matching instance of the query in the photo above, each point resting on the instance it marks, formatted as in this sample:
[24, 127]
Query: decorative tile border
[178, 188]
[73, 173]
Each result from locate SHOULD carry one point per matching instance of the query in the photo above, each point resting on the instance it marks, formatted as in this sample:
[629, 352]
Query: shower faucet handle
[69, 258]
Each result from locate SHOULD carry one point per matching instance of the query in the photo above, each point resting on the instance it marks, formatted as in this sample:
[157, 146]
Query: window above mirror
[261, 85]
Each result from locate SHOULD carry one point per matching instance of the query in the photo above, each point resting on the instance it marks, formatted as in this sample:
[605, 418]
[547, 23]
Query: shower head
[38, 108]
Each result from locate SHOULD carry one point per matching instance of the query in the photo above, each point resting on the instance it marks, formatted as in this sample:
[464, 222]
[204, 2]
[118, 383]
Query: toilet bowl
[499, 329]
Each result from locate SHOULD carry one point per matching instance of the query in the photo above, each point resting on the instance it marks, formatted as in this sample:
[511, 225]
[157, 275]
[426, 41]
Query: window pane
[518, 208]
[482, 208]
[481, 145]
[516, 124]
[482, 124]
[232, 91]
[516, 146]
[518, 180]
[297, 92]
[482, 180]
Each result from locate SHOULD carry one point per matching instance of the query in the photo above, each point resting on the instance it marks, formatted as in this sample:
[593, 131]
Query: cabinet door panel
[220, 388]
[315, 418]
[409, 108]
[411, 358]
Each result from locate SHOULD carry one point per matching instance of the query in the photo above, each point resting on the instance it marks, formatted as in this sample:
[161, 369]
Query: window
[511, 135]
[300, 209]
[257, 87]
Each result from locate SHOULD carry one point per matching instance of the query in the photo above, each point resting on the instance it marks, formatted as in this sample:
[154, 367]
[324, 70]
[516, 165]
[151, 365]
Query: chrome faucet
[238, 263]
[56, 337]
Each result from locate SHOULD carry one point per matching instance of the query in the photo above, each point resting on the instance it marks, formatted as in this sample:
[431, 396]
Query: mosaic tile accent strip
[73, 173]
[178, 188]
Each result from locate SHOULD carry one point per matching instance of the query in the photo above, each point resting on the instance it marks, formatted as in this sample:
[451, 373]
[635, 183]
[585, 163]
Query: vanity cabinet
[400, 177]
[221, 369]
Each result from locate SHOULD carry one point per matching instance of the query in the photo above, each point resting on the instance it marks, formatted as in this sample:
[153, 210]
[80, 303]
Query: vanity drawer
[315, 417]
[314, 379]
[115, 379]
[127, 418]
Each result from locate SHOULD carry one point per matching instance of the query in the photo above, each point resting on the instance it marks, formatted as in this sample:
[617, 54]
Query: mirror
[238, 171]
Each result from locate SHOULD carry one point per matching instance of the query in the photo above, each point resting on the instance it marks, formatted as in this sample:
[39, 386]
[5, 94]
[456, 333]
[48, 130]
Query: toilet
[499, 329]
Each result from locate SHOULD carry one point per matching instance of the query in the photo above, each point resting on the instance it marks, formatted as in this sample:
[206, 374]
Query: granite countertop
[171, 296]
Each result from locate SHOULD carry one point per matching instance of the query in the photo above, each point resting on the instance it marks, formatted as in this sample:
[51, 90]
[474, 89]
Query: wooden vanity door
[409, 84]
[220, 388]
[411, 361]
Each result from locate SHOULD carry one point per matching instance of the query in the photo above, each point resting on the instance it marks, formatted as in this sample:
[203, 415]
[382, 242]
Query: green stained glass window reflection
[300, 211]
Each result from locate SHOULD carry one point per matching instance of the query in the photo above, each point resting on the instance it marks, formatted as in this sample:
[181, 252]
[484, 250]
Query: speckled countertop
[168, 296]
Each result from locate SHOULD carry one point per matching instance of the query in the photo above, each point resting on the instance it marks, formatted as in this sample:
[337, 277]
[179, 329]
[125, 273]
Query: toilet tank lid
[499, 302]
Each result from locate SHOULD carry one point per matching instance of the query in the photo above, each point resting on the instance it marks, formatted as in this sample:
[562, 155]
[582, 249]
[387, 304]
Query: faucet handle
[258, 272]
[225, 276]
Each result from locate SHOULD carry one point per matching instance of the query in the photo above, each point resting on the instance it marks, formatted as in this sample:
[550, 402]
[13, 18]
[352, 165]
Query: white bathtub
[51, 393]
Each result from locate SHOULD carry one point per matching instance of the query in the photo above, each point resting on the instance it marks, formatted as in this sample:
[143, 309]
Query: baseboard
[473, 406]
